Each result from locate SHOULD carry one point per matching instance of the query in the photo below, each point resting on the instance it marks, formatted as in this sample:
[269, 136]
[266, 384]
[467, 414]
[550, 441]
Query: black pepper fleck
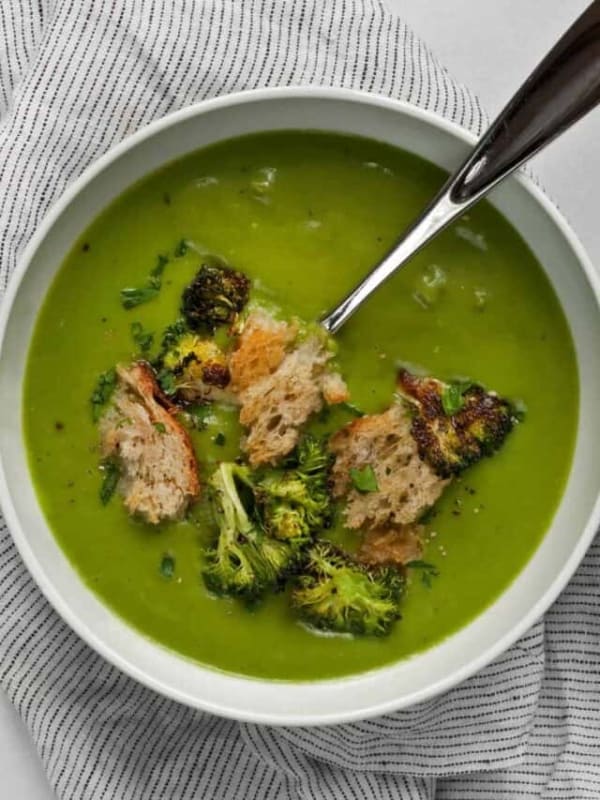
[85, 247]
[167, 199]
[59, 426]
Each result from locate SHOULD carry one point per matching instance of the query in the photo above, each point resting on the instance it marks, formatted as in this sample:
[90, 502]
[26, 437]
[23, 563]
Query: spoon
[563, 88]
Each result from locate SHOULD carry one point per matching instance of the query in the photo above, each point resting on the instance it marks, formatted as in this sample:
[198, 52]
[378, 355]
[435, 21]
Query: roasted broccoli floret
[244, 560]
[214, 297]
[339, 595]
[454, 424]
[295, 501]
[191, 366]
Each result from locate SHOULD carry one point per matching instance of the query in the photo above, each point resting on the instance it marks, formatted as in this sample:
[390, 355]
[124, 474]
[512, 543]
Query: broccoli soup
[255, 495]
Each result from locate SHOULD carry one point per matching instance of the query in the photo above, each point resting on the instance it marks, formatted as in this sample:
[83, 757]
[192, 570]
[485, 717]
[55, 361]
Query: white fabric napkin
[76, 76]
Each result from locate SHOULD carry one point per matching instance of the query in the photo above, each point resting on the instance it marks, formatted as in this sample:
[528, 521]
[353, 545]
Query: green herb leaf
[364, 480]
[167, 566]
[160, 427]
[453, 397]
[103, 392]
[166, 381]
[219, 439]
[135, 296]
[161, 263]
[428, 571]
[181, 248]
[142, 338]
[352, 409]
[112, 473]
[132, 297]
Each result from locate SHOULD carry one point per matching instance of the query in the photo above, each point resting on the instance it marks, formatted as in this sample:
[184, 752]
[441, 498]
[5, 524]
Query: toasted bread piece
[397, 546]
[407, 486]
[260, 349]
[159, 476]
[280, 384]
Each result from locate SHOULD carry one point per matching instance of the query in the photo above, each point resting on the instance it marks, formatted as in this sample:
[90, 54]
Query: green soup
[305, 215]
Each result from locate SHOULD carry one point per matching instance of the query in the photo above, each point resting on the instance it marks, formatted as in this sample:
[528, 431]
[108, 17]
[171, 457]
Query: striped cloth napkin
[76, 76]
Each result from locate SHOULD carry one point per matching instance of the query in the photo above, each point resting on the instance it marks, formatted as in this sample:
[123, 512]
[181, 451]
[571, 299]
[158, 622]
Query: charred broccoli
[337, 594]
[295, 502]
[214, 297]
[244, 560]
[454, 424]
[193, 367]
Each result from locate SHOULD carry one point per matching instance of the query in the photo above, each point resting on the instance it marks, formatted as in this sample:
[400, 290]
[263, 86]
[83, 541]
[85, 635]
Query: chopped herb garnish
[142, 338]
[167, 566]
[364, 480]
[428, 571]
[132, 297]
[352, 409]
[136, 296]
[161, 262]
[112, 473]
[452, 397]
[160, 427]
[103, 391]
[181, 248]
[166, 381]
[219, 439]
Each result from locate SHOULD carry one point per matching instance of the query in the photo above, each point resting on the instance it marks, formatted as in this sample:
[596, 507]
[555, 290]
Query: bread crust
[398, 546]
[159, 471]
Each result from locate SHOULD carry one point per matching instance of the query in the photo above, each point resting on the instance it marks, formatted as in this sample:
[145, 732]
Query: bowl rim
[70, 616]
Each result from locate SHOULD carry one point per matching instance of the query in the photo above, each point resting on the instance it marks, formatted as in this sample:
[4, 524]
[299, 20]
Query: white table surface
[491, 45]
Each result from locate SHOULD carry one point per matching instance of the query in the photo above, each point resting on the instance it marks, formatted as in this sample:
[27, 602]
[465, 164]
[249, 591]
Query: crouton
[159, 477]
[397, 546]
[407, 486]
[280, 382]
[260, 349]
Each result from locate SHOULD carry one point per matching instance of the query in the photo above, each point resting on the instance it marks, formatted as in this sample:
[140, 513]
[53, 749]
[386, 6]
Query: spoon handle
[563, 88]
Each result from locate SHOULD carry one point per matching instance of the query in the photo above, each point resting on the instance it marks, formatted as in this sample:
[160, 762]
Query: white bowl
[408, 681]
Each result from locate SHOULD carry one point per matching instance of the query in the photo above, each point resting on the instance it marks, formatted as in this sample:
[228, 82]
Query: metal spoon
[563, 88]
